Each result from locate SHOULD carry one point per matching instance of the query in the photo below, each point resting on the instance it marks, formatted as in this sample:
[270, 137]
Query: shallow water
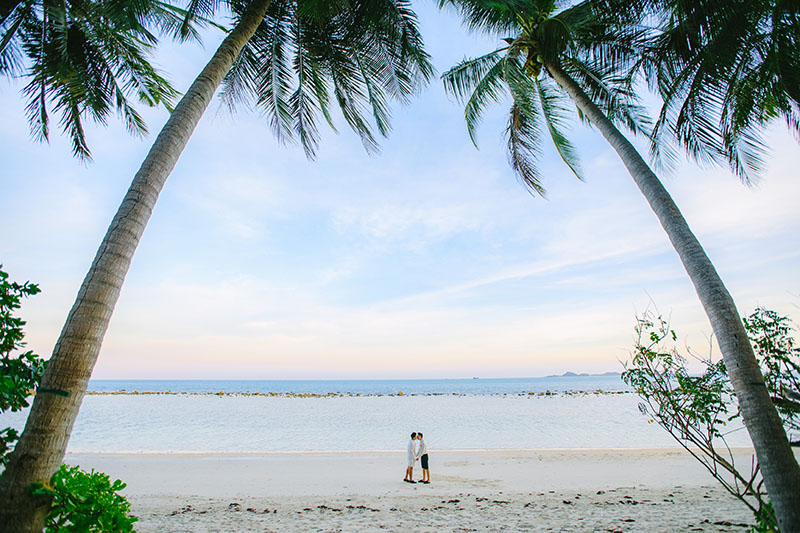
[234, 423]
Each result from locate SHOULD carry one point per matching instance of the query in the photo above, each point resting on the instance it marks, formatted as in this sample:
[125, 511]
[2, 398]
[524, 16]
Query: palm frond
[489, 16]
[732, 67]
[395, 47]
[362, 53]
[375, 95]
[196, 10]
[36, 108]
[489, 89]
[13, 18]
[413, 64]
[73, 125]
[321, 11]
[554, 36]
[609, 32]
[305, 101]
[85, 59]
[133, 121]
[747, 154]
[238, 85]
[615, 95]
[271, 48]
[553, 115]
[350, 94]
[524, 141]
[181, 24]
[461, 80]
[523, 129]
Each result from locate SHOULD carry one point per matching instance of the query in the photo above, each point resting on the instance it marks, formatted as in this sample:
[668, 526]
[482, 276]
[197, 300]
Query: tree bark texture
[778, 465]
[41, 447]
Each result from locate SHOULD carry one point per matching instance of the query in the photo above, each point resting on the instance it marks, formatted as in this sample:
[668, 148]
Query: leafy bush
[773, 344]
[19, 373]
[695, 409]
[86, 502]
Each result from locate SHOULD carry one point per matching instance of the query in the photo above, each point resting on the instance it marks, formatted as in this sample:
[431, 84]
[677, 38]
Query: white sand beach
[529, 490]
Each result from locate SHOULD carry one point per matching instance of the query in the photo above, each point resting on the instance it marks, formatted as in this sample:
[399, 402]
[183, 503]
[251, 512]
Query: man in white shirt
[411, 457]
[422, 455]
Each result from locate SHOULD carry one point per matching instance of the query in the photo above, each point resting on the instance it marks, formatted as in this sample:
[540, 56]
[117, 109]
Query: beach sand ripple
[704, 508]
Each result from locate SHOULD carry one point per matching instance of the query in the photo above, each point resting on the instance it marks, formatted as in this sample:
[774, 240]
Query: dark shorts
[424, 461]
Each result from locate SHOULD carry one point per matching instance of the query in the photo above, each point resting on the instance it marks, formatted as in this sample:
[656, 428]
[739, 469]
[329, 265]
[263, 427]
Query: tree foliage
[359, 54]
[697, 408]
[775, 348]
[86, 59]
[725, 69]
[596, 43]
[20, 371]
[86, 502]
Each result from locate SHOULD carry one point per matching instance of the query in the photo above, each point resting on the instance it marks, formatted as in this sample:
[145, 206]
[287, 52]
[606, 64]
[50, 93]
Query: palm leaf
[350, 95]
[85, 59]
[273, 71]
[10, 53]
[462, 79]
[524, 141]
[553, 114]
[614, 95]
[369, 70]
[238, 86]
[362, 52]
[489, 16]
[309, 97]
[197, 9]
[523, 129]
[489, 89]
[731, 69]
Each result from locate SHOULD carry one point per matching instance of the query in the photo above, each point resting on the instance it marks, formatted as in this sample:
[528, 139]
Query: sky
[429, 260]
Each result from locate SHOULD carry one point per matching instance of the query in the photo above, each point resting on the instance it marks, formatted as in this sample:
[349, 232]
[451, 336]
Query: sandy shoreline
[524, 490]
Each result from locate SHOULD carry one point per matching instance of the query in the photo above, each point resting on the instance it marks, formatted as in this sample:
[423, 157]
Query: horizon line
[565, 374]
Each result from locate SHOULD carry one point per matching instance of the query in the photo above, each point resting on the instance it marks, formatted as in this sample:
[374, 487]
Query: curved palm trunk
[42, 444]
[778, 465]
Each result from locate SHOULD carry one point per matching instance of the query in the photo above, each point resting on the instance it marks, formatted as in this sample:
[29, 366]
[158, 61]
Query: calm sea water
[453, 414]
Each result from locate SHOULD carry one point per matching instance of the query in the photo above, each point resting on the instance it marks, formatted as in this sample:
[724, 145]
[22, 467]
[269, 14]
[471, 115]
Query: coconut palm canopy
[725, 70]
[306, 54]
[86, 59]
[596, 47]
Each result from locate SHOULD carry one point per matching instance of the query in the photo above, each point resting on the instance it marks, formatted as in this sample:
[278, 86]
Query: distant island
[582, 374]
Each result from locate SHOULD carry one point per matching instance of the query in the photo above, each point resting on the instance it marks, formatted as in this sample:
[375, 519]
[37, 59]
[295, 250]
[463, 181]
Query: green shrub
[696, 409]
[20, 373]
[86, 502]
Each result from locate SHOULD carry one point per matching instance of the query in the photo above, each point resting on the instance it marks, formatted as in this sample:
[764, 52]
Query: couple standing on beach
[417, 453]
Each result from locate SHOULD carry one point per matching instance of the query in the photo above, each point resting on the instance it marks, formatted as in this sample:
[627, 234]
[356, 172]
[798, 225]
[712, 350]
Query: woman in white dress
[412, 457]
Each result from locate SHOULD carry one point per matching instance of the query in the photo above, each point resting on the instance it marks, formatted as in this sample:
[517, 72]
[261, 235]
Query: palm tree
[589, 51]
[85, 59]
[725, 70]
[290, 54]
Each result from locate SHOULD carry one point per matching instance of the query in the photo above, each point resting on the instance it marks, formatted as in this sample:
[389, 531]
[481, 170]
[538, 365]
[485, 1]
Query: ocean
[216, 416]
